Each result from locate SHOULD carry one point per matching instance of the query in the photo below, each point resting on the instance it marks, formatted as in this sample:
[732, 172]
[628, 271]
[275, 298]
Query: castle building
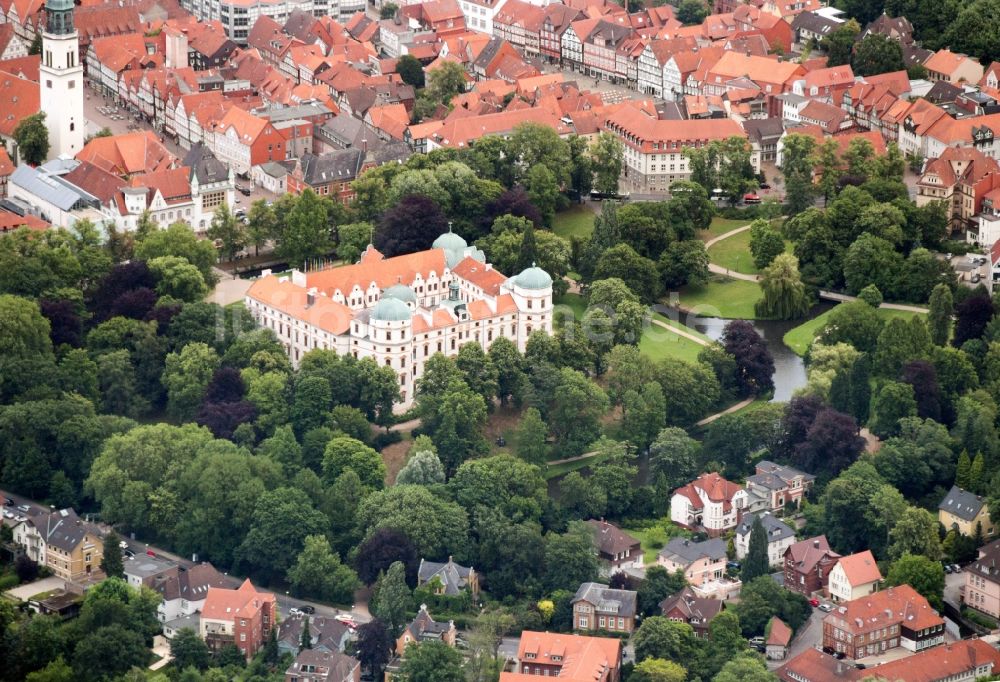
[400, 311]
[61, 80]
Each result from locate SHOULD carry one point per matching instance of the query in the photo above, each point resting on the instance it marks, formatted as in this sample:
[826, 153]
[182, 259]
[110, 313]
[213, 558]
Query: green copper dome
[391, 310]
[450, 241]
[400, 292]
[533, 278]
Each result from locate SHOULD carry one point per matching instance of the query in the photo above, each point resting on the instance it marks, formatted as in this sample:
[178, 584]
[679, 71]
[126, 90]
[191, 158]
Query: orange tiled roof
[780, 634]
[6, 165]
[324, 314]
[945, 61]
[19, 99]
[11, 221]
[900, 604]
[480, 274]
[383, 272]
[580, 658]
[128, 154]
[860, 568]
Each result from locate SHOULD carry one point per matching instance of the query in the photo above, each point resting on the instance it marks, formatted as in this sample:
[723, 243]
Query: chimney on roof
[816, 544]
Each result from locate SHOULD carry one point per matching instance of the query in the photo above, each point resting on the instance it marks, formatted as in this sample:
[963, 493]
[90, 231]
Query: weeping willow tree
[785, 296]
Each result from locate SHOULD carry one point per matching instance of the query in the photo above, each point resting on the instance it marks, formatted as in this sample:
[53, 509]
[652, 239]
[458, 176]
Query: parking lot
[972, 269]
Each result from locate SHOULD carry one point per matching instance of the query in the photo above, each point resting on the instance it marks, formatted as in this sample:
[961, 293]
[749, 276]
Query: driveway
[810, 636]
[25, 592]
[952, 584]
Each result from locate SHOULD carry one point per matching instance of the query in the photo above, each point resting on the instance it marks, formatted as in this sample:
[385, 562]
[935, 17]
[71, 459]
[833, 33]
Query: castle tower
[61, 80]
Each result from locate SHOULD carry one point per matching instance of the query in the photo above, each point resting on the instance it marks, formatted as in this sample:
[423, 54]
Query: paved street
[810, 636]
[952, 584]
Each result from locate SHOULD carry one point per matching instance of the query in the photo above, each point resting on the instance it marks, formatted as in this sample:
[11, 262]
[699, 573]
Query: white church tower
[61, 80]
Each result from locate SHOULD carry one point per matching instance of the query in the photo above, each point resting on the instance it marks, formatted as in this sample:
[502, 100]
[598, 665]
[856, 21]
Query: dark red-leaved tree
[223, 418]
[831, 445]
[381, 550]
[411, 225]
[135, 303]
[754, 364]
[923, 377]
[514, 202]
[226, 386]
[799, 416]
[164, 315]
[65, 323]
[374, 646]
[973, 314]
[122, 278]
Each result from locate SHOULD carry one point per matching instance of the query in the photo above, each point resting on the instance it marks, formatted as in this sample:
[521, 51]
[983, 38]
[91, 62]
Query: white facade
[61, 93]
[651, 80]
[841, 588]
[775, 548]
[479, 14]
[693, 506]
[439, 312]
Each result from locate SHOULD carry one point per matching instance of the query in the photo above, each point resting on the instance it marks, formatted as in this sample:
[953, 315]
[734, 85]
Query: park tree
[855, 323]
[343, 453]
[228, 231]
[306, 233]
[692, 12]
[659, 637]
[924, 575]
[189, 650]
[410, 70]
[839, 43]
[744, 668]
[675, 455]
[871, 260]
[178, 239]
[319, 573]
[785, 296]
[939, 318]
[756, 562]
[797, 167]
[766, 243]
[111, 556]
[32, 137]
[893, 402]
[440, 529]
[607, 154]
[392, 598]
[186, 375]
[658, 669]
[423, 468]
[502, 483]
[108, 652]
[431, 661]
[831, 443]
[178, 279]
[281, 521]
[575, 412]
[916, 532]
[684, 262]
[569, 557]
[875, 54]
[530, 438]
[380, 550]
[261, 224]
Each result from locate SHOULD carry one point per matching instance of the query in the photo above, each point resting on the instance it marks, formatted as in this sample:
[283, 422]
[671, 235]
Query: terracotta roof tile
[324, 314]
[780, 634]
[860, 568]
[128, 154]
[580, 658]
[19, 99]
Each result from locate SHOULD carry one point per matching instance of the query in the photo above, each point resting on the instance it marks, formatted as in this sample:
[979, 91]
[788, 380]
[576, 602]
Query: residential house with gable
[557, 19]
[964, 511]
[312, 665]
[687, 607]
[597, 607]
[616, 550]
[243, 617]
[779, 636]
[961, 177]
[779, 537]
[701, 562]
[62, 542]
[963, 661]
[949, 66]
[808, 564]
[896, 617]
[423, 628]
[243, 140]
[776, 485]
[450, 578]
[854, 577]
[982, 581]
[327, 634]
[710, 501]
[571, 658]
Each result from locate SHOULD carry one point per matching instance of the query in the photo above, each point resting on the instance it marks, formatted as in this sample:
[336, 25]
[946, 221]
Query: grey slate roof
[605, 600]
[693, 606]
[342, 165]
[322, 666]
[454, 577]
[962, 503]
[775, 528]
[348, 131]
[204, 165]
[62, 529]
[764, 128]
[425, 627]
[328, 634]
[814, 23]
[681, 550]
[776, 476]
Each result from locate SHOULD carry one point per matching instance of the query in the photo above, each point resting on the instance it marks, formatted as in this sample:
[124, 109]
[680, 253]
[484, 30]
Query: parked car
[245, 191]
[814, 603]
[733, 565]
[754, 641]
[23, 507]
[947, 568]
[826, 606]
[955, 568]
[751, 198]
[150, 552]
[128, 554]
[347, 619]
[123, 544]
[294, 611]
[307, 608]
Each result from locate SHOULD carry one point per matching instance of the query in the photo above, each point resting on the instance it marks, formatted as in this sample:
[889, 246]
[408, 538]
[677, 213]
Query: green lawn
[576, 221]
[721, 226]
[653, 538]
[800, 338]
[658, 343]
[732, 299]
[734, 253]
[553, 471]
[576, 302]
